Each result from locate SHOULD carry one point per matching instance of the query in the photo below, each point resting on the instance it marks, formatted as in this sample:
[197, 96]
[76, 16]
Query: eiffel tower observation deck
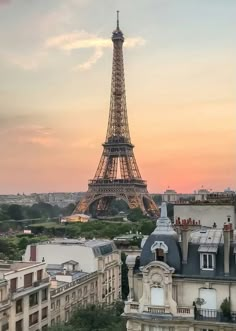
[117, 175]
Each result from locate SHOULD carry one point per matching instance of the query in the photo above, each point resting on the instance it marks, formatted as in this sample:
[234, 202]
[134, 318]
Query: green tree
[15, 212]
[23, 242]
[95, 318]
[135, 214]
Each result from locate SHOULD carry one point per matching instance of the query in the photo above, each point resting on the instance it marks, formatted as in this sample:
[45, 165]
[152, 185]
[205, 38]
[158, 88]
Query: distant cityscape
[63, 199]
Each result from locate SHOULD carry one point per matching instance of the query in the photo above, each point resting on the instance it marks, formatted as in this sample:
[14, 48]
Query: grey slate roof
[174, 256]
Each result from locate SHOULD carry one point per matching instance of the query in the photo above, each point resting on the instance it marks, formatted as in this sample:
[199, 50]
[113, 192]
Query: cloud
[37, 135]
[84, 40]
[30, 134]
[92, 60]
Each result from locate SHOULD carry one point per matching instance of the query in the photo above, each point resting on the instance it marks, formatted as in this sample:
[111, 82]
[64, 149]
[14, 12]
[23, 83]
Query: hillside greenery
[95, 318]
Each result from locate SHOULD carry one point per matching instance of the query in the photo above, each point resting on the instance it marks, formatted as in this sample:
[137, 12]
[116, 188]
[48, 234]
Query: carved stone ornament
[159, 245]
[156, 279]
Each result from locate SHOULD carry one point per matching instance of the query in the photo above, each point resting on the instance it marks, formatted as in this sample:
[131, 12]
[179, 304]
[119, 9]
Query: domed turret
[162, 244]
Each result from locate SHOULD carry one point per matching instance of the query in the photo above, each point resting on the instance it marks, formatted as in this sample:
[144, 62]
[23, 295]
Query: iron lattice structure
[117, 175]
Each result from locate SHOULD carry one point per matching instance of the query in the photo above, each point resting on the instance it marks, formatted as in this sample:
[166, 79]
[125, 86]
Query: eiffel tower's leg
[83, 206]
[135, 201]
[150, 206]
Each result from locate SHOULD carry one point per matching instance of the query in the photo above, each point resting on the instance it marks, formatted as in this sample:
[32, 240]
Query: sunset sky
[55, 75]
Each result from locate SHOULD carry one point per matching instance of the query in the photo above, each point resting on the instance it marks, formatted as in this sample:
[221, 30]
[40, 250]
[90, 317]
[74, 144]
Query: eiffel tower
[117, 175]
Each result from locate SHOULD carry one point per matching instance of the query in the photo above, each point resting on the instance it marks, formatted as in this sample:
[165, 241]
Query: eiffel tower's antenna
[117, 20]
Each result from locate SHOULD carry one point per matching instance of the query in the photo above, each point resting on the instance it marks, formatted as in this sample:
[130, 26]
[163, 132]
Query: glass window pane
[210, 262]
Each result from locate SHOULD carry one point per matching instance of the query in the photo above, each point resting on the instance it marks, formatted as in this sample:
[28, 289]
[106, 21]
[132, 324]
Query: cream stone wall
[103, 285]
[21, 293]
[66, 298]
[179, 297]
[188, 291]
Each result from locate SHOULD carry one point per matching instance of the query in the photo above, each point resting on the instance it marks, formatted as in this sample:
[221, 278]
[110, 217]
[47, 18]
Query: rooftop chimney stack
[228, 230]
[185, 234]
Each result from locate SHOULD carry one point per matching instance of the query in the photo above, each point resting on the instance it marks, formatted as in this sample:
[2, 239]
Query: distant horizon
[177, 192]
[55, 77]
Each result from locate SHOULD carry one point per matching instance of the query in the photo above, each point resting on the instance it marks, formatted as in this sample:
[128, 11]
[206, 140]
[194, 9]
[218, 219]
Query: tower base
[101, 193]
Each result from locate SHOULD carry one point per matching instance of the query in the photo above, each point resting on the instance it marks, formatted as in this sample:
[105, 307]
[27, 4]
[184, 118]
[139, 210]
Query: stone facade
[189, 295]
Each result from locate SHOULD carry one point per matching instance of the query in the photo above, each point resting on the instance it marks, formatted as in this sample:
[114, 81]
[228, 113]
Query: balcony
[131, 307]
[21, 291]
[182, 311]
[214, 315]
[4, 304]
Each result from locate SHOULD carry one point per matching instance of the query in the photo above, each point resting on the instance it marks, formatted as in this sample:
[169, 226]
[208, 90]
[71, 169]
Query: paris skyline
[55, 73]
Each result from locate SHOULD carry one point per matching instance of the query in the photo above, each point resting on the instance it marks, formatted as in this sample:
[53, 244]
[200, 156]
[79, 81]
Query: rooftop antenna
[117, 21]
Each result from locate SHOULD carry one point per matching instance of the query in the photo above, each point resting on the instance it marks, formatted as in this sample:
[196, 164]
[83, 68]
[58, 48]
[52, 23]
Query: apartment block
[183, 282]
[24, 290]
[81, 271]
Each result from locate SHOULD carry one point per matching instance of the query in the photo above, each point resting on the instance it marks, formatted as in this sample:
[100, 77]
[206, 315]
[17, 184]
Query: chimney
[33, 252]
[228, 228]
[185, 234]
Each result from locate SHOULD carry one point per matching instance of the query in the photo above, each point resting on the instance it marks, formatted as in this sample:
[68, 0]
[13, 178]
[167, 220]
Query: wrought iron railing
[33, 284]
[73, 283]
[214, 315]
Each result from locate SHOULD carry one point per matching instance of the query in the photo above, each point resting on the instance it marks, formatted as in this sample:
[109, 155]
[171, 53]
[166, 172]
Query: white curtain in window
[157, 296]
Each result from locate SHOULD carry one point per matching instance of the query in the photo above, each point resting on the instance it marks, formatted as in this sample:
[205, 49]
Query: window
[19, 306]
[44, 294]
[13, 284]
[53, 306]
[53, 322]
[85, 290]
[160, 254]
[40, 275]
[58, 303]
[33, 299]
[19, 325]
[58, 319]
[44, 312]
[28, 280]
[207, 261]
[67, 298]
[67, 315]
[79, 293]
[157, 296]
[73, 296]
[33, 318]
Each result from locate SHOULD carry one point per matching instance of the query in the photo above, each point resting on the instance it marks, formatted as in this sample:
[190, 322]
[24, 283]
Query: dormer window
[208, 255]
[207, 261]
[160, 255]
[159, 249]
